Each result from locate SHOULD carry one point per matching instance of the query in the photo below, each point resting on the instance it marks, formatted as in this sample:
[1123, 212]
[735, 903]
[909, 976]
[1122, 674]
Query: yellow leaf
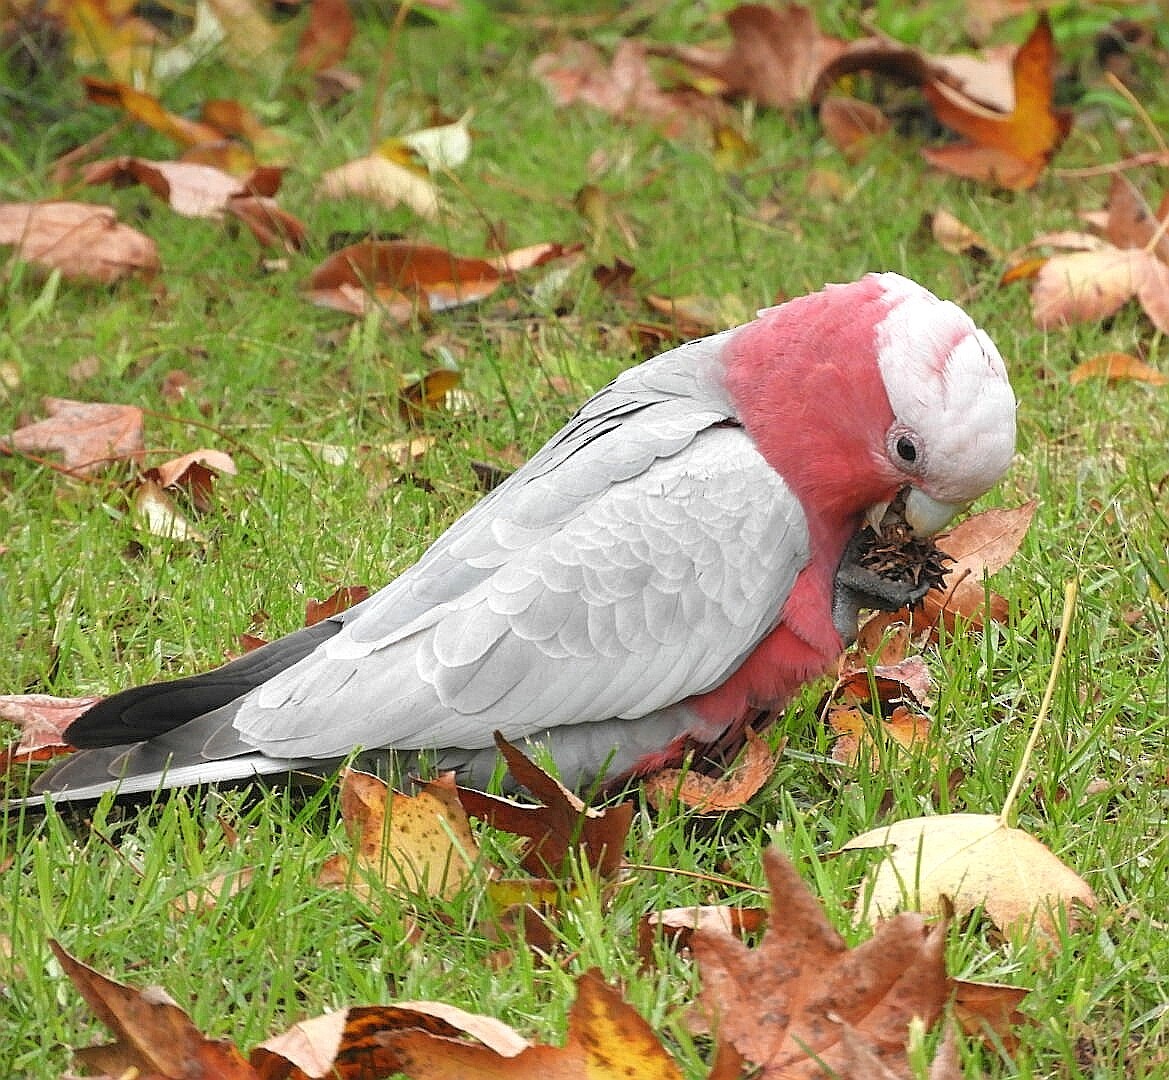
[971, 860]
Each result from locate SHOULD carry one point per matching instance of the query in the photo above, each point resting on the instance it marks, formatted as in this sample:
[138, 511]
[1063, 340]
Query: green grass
[91, 603]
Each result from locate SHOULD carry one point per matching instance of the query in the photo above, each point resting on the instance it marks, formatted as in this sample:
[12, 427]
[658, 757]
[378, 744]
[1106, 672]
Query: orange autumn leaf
[716, 794]
[340, 600]
[148, 110]
[153, 1036]
[818, 994]
[858, 740]
[607, 1040]
[1010, 149]
[326, 37]
[1117, 367]
[401, 277]
[852, 125]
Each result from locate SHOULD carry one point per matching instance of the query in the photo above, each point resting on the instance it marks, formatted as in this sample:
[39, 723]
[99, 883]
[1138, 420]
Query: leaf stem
[1069, 606]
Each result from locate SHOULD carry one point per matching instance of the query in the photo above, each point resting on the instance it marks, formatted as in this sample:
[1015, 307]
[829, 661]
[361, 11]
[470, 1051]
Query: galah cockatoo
[664, 567]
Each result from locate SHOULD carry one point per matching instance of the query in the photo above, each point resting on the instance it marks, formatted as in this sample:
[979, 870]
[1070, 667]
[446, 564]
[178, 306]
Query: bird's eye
[906, 449]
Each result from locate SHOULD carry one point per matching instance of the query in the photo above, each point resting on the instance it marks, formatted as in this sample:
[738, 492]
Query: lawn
[307, 401]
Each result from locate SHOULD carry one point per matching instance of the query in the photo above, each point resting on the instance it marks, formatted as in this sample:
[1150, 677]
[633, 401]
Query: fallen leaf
[1086, 286]
[326, 36]
[678, 925]
[858, 741]
[775, 58]
[1130, 222]
[967, 861]
[716, 794]
[445, 146]
[418, 843]
[1010, 149]
[852, 125]
[342, 599]
[190, 189]
[251, 42]
[89, 435]
[401, 275]
[958, 238]
[352, 1043]
[560, 828]
[81, 240]
[148, 110]
[1117, 367]
[42, 720]
[188, 469]
[811, 988]
[607, 1040]
[158, 514]
[384, 182]
[425, 395]
[979, 546]
[271, 225]
[624, 88]
[990, 1007]
[153, 1036]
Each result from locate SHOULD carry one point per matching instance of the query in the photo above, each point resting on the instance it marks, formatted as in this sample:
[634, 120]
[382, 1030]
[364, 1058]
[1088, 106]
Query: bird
[670, 562]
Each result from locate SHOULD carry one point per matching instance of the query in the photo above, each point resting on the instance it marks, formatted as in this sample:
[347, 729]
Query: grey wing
[605, 593]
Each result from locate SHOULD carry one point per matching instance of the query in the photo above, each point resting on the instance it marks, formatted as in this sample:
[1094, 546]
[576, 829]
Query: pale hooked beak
[924, 514]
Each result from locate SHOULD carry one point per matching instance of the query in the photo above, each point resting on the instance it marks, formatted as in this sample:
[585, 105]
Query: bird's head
[860, 390]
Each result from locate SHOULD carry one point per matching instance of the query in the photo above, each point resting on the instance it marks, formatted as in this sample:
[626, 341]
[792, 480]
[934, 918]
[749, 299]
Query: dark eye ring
[906, 449]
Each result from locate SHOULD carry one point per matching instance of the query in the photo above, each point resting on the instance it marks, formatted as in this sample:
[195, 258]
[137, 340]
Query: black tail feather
[144, 712]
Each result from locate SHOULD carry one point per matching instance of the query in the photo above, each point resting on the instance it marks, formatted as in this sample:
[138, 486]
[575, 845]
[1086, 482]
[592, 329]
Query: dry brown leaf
[42, 720]
[81, 240]
[148, 110]
[981, 545]
[607, 1040]
[810, 986]
[153, 1036]
[384, 182]
[1009, 149]
[400, 274]
[340, 600]
[419, 843]
[716, 794]
[424, 395]
[353, 1043]
[89, 434]
[1117, 367]
[192, 190]
[177, 472]
[775, 58]
[624, 88]
[326, 36]
[852, 125]
[983, 1008]
[968, 860]
[958, 238]
[1130, 222]
[269, 224]
[1086, 286]
[678, 925]
[562, 827]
